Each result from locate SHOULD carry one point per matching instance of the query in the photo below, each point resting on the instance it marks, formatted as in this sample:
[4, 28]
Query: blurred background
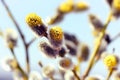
[76, 23]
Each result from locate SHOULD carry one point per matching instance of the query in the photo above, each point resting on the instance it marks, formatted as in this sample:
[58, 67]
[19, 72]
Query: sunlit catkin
[56, 36]
[66, 7]
[116, 5]
[81, 6]
[11, 37]
[110, 61]
[36, 24]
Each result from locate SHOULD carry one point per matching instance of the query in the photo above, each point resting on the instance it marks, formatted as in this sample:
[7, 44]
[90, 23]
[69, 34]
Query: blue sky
[76, 23]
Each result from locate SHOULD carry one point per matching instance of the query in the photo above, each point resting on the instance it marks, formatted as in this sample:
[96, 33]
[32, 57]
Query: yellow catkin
[81, 6]
[66, 7]
[56, 33]
[110, 61]
[116, 4]
[33, 20]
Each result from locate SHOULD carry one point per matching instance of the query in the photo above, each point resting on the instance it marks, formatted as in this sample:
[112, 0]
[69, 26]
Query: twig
[109, 74]
[18, 65]
[26, 46]
[114, 38]
[96, 49]
[29, 43]
[75, 74]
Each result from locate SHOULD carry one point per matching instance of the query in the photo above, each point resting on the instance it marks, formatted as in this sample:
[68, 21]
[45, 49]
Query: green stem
[96, 49]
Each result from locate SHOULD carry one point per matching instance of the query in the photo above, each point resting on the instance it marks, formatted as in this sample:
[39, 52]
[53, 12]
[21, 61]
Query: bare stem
[96, 49]
[109, 74]
[29, 43]
[118, 35]
[26, 46]
[19, 67]
[76, 75]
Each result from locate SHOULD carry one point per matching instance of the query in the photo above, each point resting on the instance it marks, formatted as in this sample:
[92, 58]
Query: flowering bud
[72, 50]
[116, 5]
[116, 8]
[111, 61]
[34, 75]
[56, 36]
[83, 53]
[62, 52]
[81, 6]
[48, 71]
[71, 38]
[65, 64]
[69, 76]
[96, 24]
[9, 64]
[10, 38]
[58, 17]
[66, 7]
[36, 24]
[47, 50]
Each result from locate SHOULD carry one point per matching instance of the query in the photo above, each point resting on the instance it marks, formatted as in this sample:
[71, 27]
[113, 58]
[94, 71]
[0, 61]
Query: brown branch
[13, 53]
[29, 43]
[21, 34]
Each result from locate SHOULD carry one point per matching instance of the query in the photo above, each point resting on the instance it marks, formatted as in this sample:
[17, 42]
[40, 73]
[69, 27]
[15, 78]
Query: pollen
[56, 33]
[81, 6]
[66, 7]
[33, 20]
[116, 4]
[110, 61]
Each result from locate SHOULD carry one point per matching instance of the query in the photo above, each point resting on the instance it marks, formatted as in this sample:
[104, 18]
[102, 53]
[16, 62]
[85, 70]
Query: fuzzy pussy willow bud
[56, 36]
[36, 24]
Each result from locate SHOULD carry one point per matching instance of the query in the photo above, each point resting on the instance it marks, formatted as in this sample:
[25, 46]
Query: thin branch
[19, 67]
[114, 38]
[109, 74]
[29, 43]
[96, 49]
[20, 32]
[76, 75]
